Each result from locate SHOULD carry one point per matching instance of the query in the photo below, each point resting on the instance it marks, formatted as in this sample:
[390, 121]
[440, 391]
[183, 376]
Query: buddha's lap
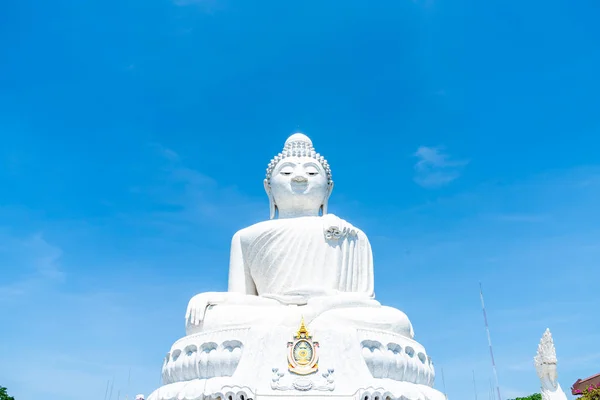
[380, 318]
[247, 315]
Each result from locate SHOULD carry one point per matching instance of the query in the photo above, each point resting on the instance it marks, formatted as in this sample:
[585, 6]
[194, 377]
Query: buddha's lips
[299, 179]
[299, 187]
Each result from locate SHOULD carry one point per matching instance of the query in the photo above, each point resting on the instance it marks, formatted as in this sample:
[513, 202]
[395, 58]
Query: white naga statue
[300, 313]
[545, 365]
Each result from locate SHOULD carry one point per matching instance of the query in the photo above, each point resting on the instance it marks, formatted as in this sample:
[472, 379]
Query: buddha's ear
[272, 205]
[326, 199]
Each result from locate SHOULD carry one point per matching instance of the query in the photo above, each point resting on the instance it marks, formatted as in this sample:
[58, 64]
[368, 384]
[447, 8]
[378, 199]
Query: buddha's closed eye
[312, 171]
[286, 171]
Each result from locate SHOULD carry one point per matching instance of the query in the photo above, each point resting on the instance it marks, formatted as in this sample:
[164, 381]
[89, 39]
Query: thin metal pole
[487, 329]
[128, 384]
[111, 389]
[474, 386]
[106, 391]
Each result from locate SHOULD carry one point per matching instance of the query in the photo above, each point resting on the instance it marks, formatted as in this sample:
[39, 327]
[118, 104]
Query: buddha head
[298, 180]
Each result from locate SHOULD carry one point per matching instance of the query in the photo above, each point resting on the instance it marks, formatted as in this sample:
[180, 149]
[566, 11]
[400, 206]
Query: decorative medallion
[303, 363]
[302, 353]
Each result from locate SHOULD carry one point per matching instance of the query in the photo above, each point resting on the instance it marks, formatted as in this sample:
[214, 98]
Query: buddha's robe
[290, 259]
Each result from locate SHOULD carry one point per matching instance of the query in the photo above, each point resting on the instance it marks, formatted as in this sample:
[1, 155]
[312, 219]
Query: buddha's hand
[196, 309]
[336, 228]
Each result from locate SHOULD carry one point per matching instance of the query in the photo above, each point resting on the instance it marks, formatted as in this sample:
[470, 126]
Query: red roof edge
[583, 384]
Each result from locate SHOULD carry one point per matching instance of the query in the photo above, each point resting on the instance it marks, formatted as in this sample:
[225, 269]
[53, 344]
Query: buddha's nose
[299, 179]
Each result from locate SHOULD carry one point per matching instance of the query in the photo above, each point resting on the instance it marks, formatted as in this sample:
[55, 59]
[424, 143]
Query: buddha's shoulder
[332, 220]
[254, 230]
[325, 221]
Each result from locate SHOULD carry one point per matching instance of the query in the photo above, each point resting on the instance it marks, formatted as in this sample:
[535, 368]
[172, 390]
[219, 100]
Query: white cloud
[192, 197]
[32, 262]
[435, 168]
[109, 329]
[542, 232]
[165, 152]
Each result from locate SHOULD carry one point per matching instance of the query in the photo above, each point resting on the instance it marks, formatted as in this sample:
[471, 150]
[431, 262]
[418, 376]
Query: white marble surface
[301, 263]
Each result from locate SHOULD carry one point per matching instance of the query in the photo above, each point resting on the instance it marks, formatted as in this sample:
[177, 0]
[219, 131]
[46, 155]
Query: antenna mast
[128, 384]
[106, 392]
[111, 389]
[474, 386]
[487, 329]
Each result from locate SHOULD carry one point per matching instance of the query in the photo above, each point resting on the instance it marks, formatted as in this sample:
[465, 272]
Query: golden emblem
[302, 352]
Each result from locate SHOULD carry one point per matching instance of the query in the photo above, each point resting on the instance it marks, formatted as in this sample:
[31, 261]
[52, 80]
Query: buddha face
[299, 186]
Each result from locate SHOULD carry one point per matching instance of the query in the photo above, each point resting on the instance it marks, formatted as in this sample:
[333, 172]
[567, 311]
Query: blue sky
[462, 135]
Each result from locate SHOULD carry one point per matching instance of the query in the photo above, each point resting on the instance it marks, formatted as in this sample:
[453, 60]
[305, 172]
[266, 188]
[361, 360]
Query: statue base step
[258, 363]
[303, 397]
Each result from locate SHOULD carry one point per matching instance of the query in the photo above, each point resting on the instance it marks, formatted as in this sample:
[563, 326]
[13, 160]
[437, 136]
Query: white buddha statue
[302, 256]
[302, 266]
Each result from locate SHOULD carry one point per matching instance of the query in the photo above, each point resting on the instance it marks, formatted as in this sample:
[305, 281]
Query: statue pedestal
[304, 397]
[253, 363]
